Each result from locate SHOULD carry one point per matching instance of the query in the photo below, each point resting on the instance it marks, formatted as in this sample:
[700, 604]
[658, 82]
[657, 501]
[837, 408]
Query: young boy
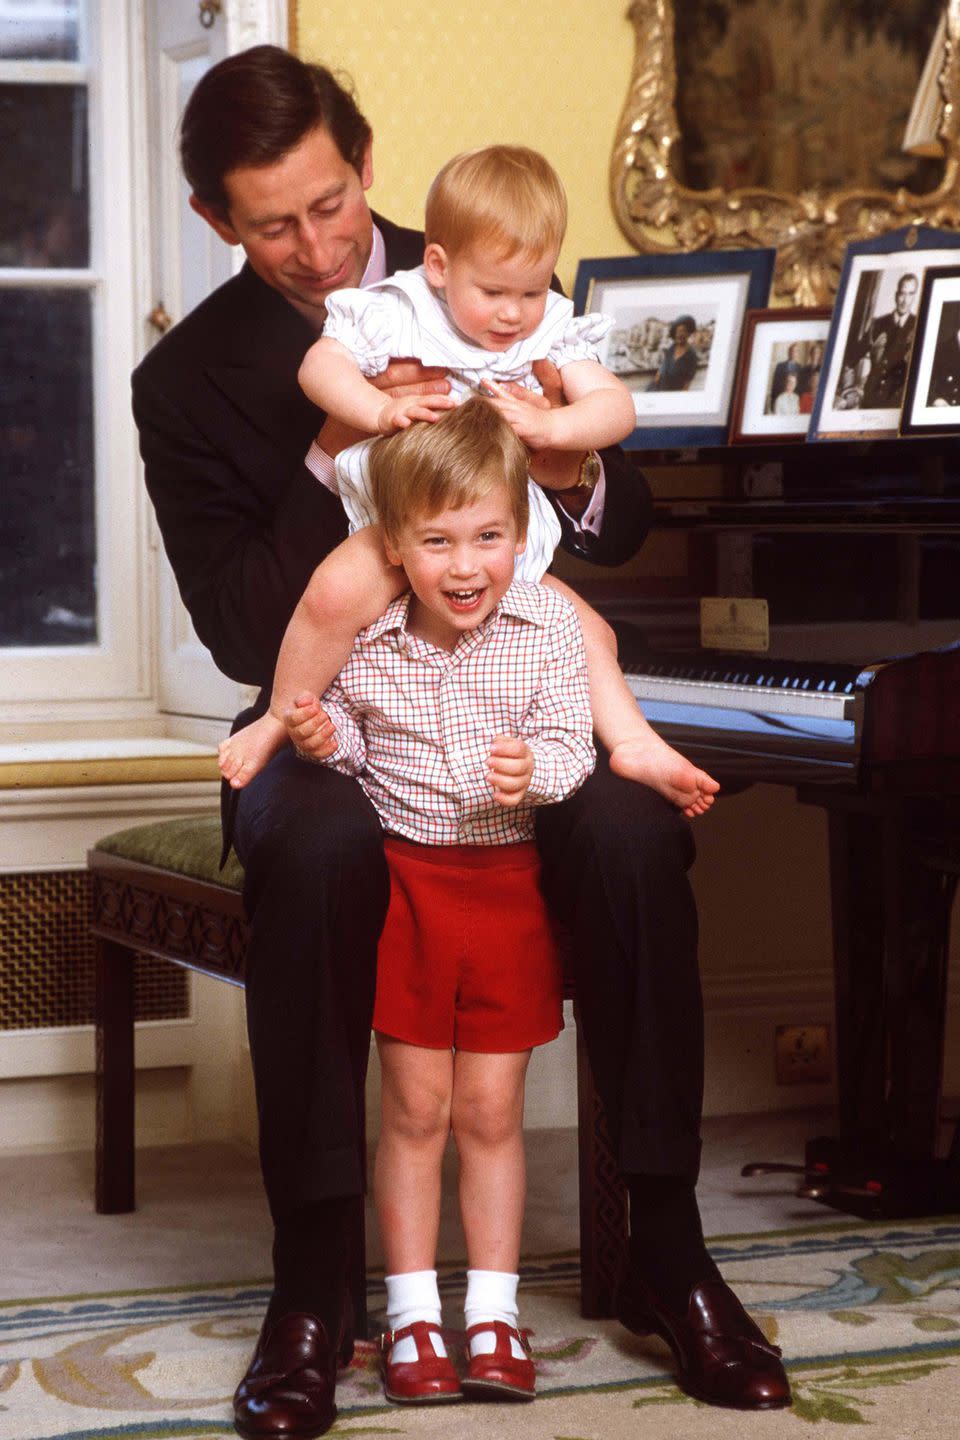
[463, 707]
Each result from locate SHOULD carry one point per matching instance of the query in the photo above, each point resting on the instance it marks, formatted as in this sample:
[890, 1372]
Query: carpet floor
[138, 1327]
[868, 1317]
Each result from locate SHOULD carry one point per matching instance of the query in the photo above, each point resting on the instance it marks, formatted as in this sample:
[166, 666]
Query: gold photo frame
[809, 227]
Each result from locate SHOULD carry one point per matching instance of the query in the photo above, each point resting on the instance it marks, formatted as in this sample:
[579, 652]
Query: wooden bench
[158, 890]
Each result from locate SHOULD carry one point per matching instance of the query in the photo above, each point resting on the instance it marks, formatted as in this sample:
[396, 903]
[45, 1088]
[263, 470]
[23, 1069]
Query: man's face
[906, 291]
[304, 221]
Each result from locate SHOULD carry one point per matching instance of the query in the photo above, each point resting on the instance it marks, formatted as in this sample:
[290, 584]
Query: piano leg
[894, 864]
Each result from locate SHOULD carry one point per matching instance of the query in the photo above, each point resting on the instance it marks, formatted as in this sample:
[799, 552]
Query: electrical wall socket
[802, 1054]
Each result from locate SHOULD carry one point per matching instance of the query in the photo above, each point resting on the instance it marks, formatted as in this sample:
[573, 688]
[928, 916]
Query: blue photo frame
[681, 401]
[867, 359]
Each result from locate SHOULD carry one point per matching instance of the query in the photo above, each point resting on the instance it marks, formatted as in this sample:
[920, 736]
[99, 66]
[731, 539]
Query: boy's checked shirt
[416, 722]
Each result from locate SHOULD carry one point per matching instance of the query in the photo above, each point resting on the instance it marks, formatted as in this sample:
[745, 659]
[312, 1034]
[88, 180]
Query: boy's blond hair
[504, 195]
[446, 464]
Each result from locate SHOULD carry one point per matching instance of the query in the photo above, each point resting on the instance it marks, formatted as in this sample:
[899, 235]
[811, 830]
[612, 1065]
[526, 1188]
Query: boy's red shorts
[467, 958]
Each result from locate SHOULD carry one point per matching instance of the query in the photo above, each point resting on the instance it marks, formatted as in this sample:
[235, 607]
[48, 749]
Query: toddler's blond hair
[505, 196]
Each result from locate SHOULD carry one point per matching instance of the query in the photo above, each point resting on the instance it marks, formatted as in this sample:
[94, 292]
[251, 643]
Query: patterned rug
[868, 1316]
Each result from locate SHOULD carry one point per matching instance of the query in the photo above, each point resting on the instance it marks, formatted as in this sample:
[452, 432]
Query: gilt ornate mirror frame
[810, 230]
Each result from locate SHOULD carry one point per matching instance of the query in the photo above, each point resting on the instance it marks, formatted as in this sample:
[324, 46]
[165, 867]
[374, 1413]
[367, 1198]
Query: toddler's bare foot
[244, 754]
[657, 764]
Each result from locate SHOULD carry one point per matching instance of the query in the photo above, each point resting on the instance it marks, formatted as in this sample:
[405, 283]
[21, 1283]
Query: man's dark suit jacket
[884, 386]
[224, 428]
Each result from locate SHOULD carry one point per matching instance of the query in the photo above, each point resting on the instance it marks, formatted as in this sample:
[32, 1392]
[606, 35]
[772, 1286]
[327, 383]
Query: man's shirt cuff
[322, 467]
[591, 521]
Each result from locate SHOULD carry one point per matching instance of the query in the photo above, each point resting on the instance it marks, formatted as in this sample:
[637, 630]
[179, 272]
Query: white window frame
[111, 684]
[69, 681]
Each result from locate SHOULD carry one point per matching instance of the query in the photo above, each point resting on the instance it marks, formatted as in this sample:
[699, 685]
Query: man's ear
[366, 166]
[435, 264]
[216, 219]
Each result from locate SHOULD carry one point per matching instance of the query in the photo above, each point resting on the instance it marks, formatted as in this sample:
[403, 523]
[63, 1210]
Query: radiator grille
[46, 957]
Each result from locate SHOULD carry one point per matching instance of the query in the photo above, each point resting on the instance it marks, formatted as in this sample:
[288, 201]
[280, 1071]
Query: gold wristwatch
[586, 481]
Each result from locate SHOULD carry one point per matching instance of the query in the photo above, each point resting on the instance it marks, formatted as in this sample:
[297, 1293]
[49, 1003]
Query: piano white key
[769, 699]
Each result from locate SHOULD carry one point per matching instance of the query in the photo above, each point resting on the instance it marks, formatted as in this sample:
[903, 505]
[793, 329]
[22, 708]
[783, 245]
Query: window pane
[39, 29]
[43, 142]
[47, 539]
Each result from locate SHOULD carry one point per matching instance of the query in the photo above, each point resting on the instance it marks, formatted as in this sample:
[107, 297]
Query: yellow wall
[434, 80]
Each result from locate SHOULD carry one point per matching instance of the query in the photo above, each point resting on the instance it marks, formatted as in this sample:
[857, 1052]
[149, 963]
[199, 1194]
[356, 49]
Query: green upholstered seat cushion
[190, 846]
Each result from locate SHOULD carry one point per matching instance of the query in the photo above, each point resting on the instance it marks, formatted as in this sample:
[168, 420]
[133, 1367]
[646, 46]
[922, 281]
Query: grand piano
[855, 547]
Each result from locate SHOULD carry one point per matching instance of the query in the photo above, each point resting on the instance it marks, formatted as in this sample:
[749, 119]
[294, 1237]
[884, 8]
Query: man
[945, 371]
[278, 158]
[890, 344]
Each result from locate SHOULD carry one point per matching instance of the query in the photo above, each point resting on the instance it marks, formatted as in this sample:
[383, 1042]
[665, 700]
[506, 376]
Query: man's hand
[509, 770]
[310, 727]
[408, 377]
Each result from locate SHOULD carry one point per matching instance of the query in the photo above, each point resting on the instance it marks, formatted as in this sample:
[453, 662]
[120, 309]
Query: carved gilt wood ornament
[809, 230]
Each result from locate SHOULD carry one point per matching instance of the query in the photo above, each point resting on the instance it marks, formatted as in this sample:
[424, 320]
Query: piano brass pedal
[832, 1190]
[768, 1167]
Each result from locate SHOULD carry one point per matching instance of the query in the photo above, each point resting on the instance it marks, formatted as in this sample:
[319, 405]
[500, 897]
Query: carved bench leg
[603, 1201]
[113, 1011]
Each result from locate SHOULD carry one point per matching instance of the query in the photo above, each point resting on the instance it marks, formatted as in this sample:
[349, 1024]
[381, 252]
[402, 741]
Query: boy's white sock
[491, 1295]
[413, 1296]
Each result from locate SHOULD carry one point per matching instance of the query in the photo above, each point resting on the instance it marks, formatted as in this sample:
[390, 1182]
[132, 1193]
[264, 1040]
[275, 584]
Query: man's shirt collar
[377, 264]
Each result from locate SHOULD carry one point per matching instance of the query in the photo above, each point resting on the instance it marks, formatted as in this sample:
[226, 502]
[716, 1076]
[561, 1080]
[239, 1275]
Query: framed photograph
[780, 366]
[678, 321]
[932, 402]
[874, 325]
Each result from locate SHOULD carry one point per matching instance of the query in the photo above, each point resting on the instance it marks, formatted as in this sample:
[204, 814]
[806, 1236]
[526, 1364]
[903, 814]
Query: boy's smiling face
[459, 563]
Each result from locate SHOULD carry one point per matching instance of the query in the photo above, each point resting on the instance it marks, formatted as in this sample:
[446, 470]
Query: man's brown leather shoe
[287, 1393]
[722, 1357]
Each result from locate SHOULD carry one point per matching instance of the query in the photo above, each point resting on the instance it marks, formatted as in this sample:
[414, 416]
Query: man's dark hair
[254, 108]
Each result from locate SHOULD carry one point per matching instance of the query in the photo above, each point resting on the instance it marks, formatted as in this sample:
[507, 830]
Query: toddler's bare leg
[637, 752]
[347, 592]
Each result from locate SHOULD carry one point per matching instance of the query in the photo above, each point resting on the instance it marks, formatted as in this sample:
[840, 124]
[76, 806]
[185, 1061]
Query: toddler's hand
[530, 419]
[509, 770]
[310, 728]
[399, 413]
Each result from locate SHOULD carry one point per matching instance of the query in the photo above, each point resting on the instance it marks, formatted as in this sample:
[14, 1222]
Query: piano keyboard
[759, 719]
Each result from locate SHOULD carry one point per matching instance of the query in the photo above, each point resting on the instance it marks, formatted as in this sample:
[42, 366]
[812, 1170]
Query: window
[71, 573]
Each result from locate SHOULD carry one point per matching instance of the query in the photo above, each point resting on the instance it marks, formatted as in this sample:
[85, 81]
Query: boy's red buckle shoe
[428, 1380]
[501, 1373]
